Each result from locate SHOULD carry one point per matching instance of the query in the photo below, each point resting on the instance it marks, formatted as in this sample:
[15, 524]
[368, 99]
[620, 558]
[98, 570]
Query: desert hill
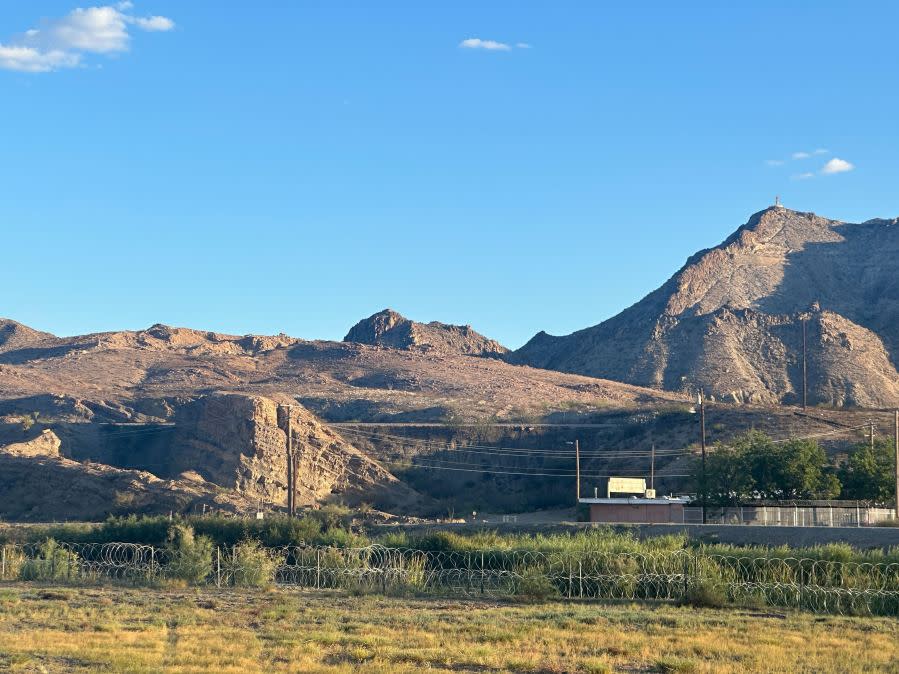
[730, 320]
[174, 419]
[388, 328]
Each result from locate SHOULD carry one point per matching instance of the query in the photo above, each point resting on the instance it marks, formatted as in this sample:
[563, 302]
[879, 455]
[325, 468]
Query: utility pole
[577, 471]
[896, 450]
[872, 436]
[804, 363]
[291, 500]
[702, 444]
[652, 468]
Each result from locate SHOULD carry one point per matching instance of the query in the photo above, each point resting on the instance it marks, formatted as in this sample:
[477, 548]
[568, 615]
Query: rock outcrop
[239, 441]
[390, 329]
[45, 444]
[46, 488]
[730, 321]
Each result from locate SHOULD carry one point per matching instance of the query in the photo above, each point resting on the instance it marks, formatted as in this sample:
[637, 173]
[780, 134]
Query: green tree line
[753, 466]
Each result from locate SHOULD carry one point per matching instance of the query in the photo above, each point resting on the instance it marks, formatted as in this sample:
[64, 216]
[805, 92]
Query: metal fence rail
[791, 515]
[810, 584]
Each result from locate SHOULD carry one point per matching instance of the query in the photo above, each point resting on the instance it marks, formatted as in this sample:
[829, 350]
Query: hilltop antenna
[777, 203]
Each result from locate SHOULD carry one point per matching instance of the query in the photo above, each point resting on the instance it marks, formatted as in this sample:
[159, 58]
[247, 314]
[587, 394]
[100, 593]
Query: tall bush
[190, 556]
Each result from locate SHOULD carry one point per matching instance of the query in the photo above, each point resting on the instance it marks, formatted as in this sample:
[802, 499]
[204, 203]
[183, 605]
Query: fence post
[3, 555]
[318, 568]
[686, 573]
[580, 578]
[483, 572]
[570, 578]
[218, 566]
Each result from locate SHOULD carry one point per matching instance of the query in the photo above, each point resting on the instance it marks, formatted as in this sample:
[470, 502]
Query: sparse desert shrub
[53, 562]
[532, 583]
[251, 565]
[706, 593]
[191, 555]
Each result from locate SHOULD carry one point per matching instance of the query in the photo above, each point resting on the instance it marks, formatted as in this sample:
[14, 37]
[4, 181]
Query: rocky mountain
[730, 321]
[390, 329]
[174, 419]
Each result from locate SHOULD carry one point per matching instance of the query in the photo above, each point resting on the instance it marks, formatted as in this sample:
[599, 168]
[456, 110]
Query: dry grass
[56, 629]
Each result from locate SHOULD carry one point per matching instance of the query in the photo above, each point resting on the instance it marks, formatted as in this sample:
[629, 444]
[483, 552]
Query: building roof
[634, 501]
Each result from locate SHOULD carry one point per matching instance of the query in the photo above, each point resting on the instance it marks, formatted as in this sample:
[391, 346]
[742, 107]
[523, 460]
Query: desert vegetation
[242, 630]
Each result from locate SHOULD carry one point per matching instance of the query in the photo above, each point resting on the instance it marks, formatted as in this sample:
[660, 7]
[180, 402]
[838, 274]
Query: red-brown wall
[638, 512]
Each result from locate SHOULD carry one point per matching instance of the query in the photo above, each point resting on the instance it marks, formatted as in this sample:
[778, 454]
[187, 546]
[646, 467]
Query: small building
[636, 509]
[645, 508]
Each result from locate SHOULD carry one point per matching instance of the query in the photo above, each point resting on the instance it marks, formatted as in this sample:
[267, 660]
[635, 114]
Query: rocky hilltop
[390, 329]
[730, 320]
[176, 419]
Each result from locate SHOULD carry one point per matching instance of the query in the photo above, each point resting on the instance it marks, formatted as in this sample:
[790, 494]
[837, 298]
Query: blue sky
[294, 167]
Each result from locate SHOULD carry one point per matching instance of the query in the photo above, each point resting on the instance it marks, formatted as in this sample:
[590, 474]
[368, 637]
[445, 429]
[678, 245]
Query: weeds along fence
[691, 575]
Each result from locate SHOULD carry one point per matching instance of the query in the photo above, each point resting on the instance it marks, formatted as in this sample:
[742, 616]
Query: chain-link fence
[682, 575]
[792, 515]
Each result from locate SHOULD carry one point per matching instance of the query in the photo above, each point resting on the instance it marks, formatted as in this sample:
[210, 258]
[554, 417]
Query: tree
[754, 466]
[869, 473]
[727, 476]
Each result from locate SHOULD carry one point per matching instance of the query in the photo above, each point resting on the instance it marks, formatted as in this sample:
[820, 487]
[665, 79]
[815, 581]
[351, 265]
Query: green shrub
[53, 562]
[533, 584]
[190, 555]
[251, 565]
[706, 593]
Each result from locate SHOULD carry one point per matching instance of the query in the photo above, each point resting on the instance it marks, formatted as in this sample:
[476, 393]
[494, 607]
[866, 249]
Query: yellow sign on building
[626, 485]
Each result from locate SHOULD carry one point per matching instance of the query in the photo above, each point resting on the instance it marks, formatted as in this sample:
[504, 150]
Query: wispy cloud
[799, 156]
[478, 43]
[61, 43]
[804, 176]
[836, 165]
[490, 45]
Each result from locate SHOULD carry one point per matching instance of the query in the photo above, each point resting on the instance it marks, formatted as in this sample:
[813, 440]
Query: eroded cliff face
[239, 441]
[730, 321]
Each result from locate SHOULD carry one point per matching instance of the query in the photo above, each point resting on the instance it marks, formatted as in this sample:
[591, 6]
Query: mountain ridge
[781, 265]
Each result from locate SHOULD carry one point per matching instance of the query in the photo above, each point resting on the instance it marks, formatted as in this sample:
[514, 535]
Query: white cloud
[522, 45]
[804, 176]
[60, 43]
[801, 155]
[478, 43]
[821, 150]
[836, 165]
[30, 60]
[155, 23]
[774, 162]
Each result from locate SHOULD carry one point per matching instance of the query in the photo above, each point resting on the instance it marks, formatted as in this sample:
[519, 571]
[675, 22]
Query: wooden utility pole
[804, 363]
[577, 471]
[702, 444]
[872, 436]
[896, 451]
[652, 468]
[291, 490]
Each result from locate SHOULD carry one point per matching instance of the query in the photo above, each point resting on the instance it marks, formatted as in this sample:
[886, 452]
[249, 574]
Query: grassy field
[113, 629]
